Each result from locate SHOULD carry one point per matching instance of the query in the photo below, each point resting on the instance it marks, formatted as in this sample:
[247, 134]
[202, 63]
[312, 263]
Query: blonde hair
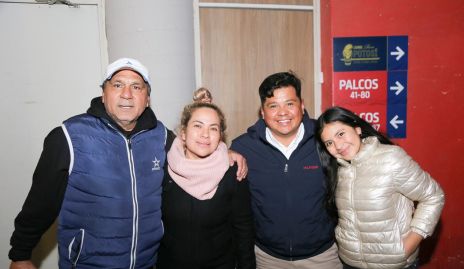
[202, 93]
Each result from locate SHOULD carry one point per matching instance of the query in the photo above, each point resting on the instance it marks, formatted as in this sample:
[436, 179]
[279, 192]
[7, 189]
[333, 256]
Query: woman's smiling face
[341, 141]
[202, 134]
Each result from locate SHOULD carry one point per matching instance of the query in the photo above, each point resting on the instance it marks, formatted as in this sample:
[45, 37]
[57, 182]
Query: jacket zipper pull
[286, 168]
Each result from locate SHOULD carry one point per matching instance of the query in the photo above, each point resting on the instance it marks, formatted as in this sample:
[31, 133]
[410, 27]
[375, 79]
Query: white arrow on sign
[398, 88]
[398, 53]
[394, 122]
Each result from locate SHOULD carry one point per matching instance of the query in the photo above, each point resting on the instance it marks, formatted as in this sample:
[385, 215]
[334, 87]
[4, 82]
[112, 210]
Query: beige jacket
[374, 196]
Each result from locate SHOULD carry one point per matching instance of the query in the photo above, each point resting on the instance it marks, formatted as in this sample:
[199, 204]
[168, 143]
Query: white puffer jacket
[374, 196]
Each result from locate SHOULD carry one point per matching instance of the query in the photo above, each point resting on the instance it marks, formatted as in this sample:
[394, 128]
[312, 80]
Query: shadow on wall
[428, 246]
[46, 245]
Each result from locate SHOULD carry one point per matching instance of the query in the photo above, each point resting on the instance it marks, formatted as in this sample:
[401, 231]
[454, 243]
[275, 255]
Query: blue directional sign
[396, 121]
[397, 50]
[372, 68]
[397, 87]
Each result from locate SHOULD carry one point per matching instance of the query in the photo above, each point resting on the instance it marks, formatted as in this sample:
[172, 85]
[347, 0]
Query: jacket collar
[146, 121]
[368, 146]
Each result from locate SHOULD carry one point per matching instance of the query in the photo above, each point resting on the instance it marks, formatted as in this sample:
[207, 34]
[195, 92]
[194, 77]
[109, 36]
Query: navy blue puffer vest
[111, 213]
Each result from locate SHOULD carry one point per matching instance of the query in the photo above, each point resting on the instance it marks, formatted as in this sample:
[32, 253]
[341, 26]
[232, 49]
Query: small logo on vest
[310, 167]
[156, 165]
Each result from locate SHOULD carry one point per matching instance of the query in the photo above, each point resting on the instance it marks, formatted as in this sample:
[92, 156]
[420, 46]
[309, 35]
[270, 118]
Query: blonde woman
[206, 210]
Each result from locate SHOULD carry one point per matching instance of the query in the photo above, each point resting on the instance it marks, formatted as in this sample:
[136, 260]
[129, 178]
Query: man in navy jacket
[287, 184]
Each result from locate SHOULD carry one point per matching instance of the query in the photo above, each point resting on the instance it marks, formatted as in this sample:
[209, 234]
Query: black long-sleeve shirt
[212, 233]
[45, 197]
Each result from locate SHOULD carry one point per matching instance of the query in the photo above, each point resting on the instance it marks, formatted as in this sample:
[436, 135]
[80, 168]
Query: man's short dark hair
[277, 81]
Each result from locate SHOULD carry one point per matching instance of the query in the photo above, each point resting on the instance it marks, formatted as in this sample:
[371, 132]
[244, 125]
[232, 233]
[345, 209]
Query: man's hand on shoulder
[22, 265]
[242, 167]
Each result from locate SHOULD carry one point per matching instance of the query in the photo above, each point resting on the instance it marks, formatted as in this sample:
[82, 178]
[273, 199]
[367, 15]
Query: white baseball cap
[127, 63]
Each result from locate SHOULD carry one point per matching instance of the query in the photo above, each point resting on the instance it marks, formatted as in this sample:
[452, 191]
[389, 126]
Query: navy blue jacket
[288, 196]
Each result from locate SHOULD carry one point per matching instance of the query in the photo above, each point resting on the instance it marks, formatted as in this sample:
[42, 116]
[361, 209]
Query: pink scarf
[199, 178]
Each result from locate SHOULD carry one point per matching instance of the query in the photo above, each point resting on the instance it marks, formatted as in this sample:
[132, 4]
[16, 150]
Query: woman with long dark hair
[373, 185]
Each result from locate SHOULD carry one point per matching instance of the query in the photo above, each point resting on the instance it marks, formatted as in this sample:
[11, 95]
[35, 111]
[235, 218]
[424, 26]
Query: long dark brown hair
[329, 163]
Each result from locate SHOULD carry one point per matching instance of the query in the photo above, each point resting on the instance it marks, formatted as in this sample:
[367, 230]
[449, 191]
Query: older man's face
[125, 98]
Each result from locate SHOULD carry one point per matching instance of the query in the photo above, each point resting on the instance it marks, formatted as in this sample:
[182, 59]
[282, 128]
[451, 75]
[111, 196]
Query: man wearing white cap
[100, 174]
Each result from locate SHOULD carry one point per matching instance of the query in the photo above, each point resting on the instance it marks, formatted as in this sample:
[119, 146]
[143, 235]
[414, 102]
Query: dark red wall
[435, 109]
